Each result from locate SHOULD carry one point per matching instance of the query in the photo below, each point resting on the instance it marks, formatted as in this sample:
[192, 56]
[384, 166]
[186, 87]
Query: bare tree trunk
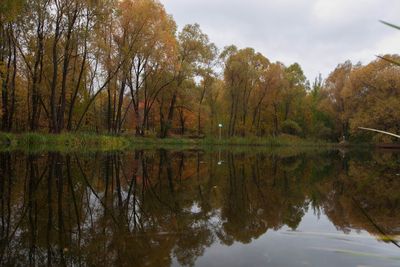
[167, 125]
[109, 109]
[77, 86]
[37, 72]
[276, 126]
[231, 115]
[117, 124]
[5, 85]
[199, 110]
[182, 121]
[67, 57]
[12, 88]
[53, 104]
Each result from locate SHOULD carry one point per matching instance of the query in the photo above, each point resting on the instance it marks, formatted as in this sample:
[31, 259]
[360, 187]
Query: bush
[5, 139]
[291, 127]
[323, 132]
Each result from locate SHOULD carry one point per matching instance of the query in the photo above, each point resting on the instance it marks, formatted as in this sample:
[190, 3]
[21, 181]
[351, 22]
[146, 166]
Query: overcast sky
[318, 34]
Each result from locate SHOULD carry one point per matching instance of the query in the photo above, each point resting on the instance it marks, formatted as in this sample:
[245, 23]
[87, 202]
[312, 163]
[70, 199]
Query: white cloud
[342, 11]
[318, 34]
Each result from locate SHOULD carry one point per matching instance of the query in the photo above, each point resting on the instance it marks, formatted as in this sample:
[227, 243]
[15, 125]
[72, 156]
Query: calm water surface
[197, 208]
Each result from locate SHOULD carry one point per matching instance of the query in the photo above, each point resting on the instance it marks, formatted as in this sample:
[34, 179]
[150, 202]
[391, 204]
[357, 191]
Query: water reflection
[154, 208]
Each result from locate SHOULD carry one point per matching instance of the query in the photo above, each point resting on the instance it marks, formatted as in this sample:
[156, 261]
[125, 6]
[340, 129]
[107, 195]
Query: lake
[224, 207]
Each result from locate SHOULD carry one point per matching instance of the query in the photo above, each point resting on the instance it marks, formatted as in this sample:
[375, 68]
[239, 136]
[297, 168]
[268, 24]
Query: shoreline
[98, 142]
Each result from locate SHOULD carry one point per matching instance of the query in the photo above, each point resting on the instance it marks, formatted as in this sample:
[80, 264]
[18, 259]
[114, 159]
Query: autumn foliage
[115, 67]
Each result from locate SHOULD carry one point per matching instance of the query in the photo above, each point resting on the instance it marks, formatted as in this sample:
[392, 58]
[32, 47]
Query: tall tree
[242, 74]
[195, 51]
[334, 101]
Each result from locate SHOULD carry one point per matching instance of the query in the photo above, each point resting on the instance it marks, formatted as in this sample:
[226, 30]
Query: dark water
[196, 208]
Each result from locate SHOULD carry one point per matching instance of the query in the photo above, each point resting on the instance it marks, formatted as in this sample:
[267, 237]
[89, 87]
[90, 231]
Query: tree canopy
[123, 67]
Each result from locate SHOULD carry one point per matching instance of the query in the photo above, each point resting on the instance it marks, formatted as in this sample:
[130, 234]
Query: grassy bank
[90, 142]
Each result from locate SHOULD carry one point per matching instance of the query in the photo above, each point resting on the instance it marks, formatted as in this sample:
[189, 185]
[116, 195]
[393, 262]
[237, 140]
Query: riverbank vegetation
[124, 68]
[94, 142]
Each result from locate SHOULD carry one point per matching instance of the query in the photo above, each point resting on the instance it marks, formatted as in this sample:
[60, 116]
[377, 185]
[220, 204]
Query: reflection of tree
[145, 207]
[367, 196]
[260, 196]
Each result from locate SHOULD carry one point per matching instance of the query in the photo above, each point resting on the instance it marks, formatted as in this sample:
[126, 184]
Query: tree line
[109, 66]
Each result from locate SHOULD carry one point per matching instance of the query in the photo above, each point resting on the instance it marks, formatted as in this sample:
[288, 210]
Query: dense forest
[110, 66]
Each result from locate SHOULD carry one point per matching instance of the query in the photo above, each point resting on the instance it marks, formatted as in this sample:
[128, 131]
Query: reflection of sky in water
[316, 242]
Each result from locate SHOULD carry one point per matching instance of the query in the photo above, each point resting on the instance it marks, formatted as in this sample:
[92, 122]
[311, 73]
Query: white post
[220, 130]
